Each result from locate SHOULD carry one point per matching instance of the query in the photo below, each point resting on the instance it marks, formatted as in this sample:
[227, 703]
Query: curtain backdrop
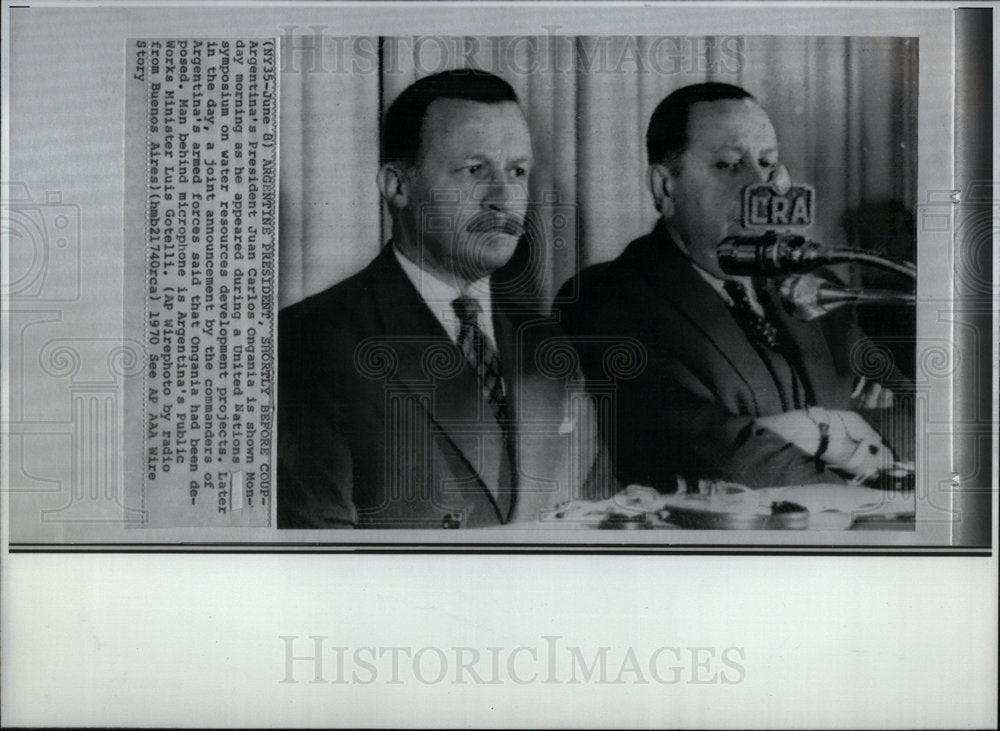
[844, 110]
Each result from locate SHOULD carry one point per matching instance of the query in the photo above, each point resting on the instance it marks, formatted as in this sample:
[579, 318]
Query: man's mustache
[495, 223]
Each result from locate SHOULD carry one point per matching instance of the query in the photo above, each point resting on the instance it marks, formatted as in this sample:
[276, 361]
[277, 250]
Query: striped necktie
[776, 348]
[481, 355]
[760, 329]
[484, 360]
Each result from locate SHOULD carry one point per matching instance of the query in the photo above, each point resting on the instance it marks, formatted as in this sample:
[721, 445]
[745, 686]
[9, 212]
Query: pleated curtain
[844, 110]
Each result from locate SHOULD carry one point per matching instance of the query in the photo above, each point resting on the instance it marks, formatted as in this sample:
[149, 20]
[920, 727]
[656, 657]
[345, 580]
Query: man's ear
[661, 184]
[393, 185]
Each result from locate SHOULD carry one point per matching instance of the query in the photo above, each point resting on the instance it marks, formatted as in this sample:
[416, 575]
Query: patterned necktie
[756, 325]
[481, 355]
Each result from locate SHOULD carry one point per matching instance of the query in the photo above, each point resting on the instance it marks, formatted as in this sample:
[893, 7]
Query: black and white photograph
[638, 325]
[434, 354]
[544, 285]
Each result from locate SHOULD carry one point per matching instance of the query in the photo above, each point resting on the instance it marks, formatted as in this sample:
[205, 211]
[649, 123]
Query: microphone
[774, 252]
[769, 254]
[806, 296]
[772, 245]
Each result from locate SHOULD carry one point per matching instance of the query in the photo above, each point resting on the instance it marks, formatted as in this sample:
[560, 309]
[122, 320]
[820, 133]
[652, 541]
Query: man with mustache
[409, 394]
[733, 388]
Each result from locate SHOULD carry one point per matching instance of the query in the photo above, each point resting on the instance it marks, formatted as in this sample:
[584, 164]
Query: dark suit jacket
[382, 423]
[691, 411]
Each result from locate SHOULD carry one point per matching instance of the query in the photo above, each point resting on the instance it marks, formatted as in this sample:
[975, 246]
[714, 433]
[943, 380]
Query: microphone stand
[807, 296]
[828, 295]
[773, 254]
[858, 256]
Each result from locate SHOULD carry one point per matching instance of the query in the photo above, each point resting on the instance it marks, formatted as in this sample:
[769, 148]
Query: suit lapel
[428, 361]
[676, 280]
[550, 461]
[814, 351]
[513, 363]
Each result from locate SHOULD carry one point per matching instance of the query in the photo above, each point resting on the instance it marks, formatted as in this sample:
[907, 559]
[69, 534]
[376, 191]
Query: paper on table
[850, 499]
[831, 507]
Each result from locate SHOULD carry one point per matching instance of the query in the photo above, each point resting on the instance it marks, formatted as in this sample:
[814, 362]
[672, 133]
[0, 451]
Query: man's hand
[872, 395]
[855, 446]
[841, 439]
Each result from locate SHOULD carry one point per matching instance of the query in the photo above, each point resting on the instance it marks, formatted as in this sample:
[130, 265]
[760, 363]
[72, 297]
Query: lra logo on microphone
[764, 208]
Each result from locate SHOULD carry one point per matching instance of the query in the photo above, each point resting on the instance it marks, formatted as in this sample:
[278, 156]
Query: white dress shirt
[438, 295]
[719, 286]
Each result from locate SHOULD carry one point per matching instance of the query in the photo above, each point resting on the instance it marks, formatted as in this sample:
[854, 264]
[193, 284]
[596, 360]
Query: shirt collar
[719, 285]
[438, 294]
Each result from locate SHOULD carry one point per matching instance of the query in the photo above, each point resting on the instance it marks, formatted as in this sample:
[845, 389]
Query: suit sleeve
[670, 424]
[315, 470]
[667, 422]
